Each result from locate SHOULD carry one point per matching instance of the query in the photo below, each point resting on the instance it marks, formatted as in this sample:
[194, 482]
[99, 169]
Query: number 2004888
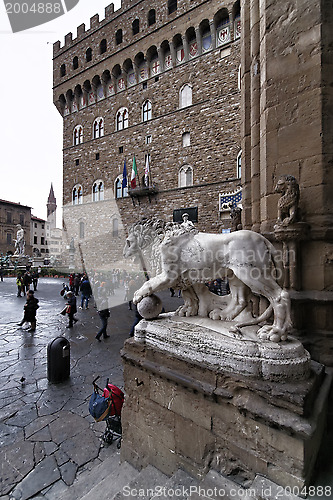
[35, 8]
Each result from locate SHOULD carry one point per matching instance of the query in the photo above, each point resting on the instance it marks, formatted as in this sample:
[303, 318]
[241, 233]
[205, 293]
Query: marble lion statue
[187, 259]
[288, 202]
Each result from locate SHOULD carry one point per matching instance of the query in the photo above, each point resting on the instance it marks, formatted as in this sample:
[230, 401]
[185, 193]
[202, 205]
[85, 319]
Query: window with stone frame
[78, 135]
[81, 230]
[151, 17]
[115, 227]
[239, 165]
[63, 70]
[103, 46]
[146, 111]
[98, 128]
[119, 36]
[75, 62]
[185, 176]
[185, 96]
[9, 238]
[119, 190]
[135, 27]
[98, 191]
[172, 6]
[77, 195]
[186, 139]
[89, 54]
[122, 119]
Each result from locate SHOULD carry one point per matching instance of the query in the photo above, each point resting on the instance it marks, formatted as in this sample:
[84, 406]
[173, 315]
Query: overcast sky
[31, 127]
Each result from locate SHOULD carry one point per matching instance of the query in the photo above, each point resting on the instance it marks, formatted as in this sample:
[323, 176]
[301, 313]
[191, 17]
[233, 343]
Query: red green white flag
[134, 174]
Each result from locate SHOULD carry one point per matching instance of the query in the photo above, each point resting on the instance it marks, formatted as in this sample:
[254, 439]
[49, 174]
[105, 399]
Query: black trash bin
[58, 360]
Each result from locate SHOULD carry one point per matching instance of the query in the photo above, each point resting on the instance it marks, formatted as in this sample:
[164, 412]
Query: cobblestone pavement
[47, 436]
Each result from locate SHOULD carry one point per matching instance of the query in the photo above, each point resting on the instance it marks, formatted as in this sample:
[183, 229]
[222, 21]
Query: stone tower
[51, 209]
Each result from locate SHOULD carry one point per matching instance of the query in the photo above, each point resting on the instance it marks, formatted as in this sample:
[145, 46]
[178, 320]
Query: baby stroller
[106, 404]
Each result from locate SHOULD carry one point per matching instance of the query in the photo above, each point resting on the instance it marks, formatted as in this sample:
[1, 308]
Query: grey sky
[31, 127]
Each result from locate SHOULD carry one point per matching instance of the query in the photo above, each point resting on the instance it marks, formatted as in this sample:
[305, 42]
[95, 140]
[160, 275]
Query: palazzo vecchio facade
[158, 79]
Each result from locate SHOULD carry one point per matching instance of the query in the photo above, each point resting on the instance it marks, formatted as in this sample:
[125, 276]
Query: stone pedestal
[185, 411]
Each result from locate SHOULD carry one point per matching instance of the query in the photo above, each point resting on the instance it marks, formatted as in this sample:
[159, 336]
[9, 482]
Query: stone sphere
[150, 307]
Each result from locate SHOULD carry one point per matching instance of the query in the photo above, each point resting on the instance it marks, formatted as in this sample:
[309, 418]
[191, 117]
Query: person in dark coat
[85, 292]
[71, 309]
[104, 314]
[30, 310]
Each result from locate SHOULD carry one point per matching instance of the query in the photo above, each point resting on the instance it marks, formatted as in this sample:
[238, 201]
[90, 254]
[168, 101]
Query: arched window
[77, 195]
[81, 230]
[88, 55]
[78, 135]
[63, 70]
[120, 191]
[135, 27]
[185, 96]
[146, 111]
[239, 165]
[102, 46]
[185, 176]
[122, 119]
[98, 191]
[98, 128]
[115, 227]
[119, 37]
[186, 140]
[75, 62]
[172, 6]
[151, 17]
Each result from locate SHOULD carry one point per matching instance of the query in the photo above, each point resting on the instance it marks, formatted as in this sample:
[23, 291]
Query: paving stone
[16, 463]
[82, 448]
[24, 416]
[67, 424]
[61, 457]
[39, 452]
[9, 434]
[42, 435]
[43, 475]
[38, 424]
[68, 472]
[50, 448]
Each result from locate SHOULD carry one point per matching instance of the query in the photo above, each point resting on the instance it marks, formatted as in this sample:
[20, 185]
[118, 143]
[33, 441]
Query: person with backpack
[30, 310]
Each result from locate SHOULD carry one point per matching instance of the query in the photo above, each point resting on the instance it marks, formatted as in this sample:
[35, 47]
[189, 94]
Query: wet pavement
[47, 436]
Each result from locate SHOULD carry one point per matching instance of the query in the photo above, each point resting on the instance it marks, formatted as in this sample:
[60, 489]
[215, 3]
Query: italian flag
[134, 174]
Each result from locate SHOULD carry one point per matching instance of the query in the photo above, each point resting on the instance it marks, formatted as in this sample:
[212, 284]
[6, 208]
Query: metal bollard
[58, 360]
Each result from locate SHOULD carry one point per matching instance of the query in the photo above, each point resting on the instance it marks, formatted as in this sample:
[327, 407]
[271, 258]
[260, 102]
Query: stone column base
[195, 416]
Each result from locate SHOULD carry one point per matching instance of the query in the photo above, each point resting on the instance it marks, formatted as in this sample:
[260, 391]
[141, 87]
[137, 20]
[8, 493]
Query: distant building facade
[12, 214]
[40, 231]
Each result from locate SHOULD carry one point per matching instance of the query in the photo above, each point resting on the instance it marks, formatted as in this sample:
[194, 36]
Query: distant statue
[189, 259]
[288, 202]
[236, 219]
[187, 224]
[19, 242]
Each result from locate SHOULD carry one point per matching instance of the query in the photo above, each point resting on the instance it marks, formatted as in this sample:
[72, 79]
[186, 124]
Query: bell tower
[51, 209]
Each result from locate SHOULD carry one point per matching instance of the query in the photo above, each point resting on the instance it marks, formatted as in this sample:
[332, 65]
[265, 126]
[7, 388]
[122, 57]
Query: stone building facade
[154, 79]
[12, 214]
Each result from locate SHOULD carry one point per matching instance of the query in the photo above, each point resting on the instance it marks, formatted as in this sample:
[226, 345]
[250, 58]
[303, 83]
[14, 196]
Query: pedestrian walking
[77, 280]
[35, 277]
[71, 309]
[30, 310]
[104, 314]
[86, 292]
[19, 285]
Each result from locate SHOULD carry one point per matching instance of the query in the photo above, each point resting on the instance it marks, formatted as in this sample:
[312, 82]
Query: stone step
[113, 482]
[110, 472]
[144, 486]
[179, 486]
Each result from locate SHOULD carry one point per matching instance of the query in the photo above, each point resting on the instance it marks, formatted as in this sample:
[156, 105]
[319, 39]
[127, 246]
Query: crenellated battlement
[95, 23]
